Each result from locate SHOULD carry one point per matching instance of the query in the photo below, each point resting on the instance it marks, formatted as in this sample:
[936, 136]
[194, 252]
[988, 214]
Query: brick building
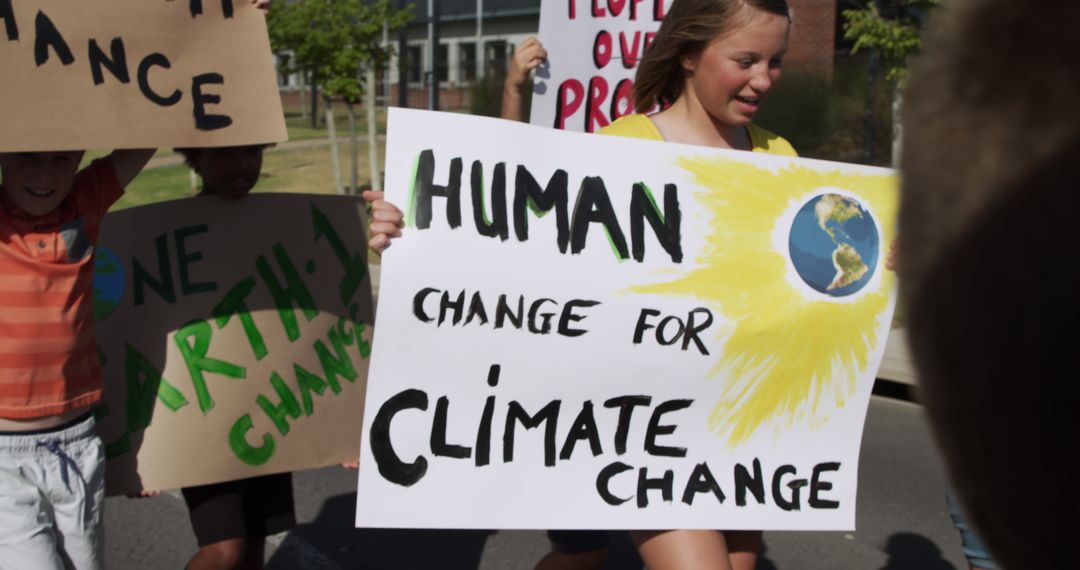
[472, 48]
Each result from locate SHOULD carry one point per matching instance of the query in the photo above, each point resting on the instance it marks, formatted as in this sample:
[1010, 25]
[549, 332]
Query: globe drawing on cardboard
[834, 244]
[108, 283]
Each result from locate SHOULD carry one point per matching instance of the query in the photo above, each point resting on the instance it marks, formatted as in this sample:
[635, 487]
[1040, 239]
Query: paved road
[902, 522]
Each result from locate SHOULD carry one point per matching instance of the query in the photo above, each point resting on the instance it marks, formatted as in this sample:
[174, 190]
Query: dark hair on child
[190, 154]
[687, 28]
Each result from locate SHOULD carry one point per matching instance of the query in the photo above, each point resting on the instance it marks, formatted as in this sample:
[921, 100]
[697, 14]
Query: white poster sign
[594, 47]
[580, 331]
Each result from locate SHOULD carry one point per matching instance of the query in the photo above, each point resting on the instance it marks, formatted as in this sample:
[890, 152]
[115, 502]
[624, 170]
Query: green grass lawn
[304, 171]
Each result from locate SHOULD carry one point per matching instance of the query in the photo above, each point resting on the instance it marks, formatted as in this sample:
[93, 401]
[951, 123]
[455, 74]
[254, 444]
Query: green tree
[891, 31]
[337, 43]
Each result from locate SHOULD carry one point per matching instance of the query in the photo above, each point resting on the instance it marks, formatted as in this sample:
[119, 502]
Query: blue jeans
[974, 550]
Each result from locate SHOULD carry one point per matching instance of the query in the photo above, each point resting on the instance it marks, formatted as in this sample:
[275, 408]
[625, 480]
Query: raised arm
[129, 163]
[528, 55]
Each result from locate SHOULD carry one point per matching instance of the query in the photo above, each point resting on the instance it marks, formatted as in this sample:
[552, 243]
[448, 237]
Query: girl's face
[731, 76]
[229, 171]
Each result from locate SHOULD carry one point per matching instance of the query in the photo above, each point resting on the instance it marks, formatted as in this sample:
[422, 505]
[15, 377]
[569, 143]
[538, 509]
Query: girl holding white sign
[710, 68]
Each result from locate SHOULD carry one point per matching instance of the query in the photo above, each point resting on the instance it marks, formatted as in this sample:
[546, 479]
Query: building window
[442, 63]
[414, 62]
[495, 58]
[468, 62]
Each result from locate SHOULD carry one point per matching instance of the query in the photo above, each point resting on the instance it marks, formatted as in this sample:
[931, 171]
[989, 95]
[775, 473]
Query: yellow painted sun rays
[790, 355]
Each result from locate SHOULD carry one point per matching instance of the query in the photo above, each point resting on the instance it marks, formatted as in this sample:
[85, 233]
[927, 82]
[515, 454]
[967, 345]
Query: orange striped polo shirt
[48, 357]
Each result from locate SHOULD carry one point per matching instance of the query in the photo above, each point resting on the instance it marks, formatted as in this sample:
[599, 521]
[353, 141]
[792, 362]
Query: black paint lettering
[626, 405]
[693, 328]
[46, 36]
[644, 483]
[655, 429]
[457, 306]
[817, 486]
[498, 225]
[203, 120]
[418, 304]
[569, 316]
[196, 8]
[667, 226]
[795, 485]
[439, 447]
[603, 483]
[702, 481]
[426, 189]
[745, 482]
[503, 312]
[528, 195]
[483, 434]
[142, 76]
[184, 259]
[548, 415]
[594, 206]
[391, 467]
[476, 310]
[163, 284]
[642, 325]
[545, 326]
[7, 13]
[584, 427]
[116, 63]
[663, 326]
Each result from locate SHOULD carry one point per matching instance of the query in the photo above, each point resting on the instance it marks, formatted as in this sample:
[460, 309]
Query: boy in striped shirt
[52, 464]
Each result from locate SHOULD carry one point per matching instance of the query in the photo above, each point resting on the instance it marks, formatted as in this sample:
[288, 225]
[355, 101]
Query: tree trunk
[897, 124]
[304, 112]
[354, 150]
[335, 158]
[373, 149]
[314, 103]
[868, 111]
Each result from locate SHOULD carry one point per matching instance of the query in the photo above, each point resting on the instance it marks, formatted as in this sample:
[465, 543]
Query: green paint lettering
[284, 297]
[144, 384]
[233, 304]
[163, 284]
[355, 265]
[243, 450]
[193, 341]
[308, 383]
[332, 366]
[358, 327]
[184, 259]
[280, 413]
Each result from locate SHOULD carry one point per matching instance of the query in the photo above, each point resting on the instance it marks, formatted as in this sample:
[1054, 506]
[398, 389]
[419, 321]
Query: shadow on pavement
[336, 542]
[763, 562]
[909, 551]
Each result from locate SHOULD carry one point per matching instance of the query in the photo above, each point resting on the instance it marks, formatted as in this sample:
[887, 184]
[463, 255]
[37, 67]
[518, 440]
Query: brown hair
[688, 26]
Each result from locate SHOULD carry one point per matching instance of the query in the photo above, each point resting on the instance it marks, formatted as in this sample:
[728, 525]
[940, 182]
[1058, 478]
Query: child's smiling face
[37, 182]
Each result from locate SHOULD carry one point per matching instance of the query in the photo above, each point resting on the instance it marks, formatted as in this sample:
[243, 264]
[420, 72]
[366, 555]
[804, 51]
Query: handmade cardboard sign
[119, 74]
[593, 50]
[581, 331]
[234, 335]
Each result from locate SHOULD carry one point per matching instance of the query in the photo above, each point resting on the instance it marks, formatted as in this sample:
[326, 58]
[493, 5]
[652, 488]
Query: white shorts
[52, 498]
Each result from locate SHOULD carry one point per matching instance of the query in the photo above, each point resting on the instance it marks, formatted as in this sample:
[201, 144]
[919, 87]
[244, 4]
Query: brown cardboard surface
[175, 68]
[277, 381]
